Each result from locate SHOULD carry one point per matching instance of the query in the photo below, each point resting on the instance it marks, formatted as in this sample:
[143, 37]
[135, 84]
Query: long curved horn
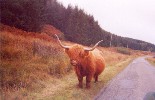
[91, 49]
[61, 43]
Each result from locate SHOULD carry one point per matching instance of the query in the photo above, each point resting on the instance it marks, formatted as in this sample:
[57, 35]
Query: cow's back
[99, 61]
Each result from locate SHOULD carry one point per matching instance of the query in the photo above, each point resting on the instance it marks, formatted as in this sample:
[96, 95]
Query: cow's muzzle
[73, 62]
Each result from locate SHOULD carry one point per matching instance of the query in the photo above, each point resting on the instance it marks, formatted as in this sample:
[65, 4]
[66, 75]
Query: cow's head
[77, 52]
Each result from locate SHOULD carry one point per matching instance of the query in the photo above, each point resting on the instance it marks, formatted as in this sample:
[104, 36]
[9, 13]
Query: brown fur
[86, 63]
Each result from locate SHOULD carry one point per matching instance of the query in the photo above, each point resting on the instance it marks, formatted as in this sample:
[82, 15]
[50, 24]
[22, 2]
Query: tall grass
[26, 61]
[151, 60]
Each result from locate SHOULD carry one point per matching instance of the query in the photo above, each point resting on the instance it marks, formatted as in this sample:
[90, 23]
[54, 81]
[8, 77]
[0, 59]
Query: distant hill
[77, 26]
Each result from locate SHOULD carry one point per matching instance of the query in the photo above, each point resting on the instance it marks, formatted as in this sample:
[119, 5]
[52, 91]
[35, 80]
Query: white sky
[128, 18]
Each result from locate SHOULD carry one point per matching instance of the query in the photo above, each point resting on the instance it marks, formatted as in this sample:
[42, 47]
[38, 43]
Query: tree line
[77, 26]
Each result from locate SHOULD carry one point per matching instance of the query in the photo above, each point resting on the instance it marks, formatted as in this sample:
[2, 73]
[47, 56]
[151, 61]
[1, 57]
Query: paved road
[133, 83]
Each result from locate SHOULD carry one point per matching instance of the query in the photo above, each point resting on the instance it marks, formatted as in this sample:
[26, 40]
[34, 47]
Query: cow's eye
[81, 54]
[66, 50]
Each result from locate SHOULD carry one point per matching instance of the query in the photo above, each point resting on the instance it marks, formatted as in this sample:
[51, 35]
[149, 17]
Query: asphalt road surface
[136, 82]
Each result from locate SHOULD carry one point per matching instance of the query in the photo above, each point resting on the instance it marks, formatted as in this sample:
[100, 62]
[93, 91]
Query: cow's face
[76, 54]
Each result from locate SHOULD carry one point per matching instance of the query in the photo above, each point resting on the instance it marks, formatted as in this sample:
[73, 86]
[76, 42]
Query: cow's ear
[81, 54]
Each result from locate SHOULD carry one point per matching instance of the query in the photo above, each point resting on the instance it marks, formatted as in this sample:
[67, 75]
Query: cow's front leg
[80, 78]
[96, 78]
[88, 80]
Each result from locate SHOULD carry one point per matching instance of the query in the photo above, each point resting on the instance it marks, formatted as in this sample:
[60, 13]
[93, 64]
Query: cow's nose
[73, 62]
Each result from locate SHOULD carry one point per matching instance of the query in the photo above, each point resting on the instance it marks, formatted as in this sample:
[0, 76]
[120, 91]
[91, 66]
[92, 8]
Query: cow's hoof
[80, 86]
[95, 81]
[88, 87]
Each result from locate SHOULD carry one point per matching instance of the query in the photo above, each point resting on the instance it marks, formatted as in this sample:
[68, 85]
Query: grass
[66, 88]
[151, 60]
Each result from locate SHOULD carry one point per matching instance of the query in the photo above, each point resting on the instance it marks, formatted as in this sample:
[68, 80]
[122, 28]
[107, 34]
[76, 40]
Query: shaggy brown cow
[87, 62]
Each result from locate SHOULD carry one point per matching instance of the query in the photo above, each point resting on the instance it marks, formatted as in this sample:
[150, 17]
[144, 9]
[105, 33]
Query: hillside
[33, 65]
[75, 23]
[29, 58]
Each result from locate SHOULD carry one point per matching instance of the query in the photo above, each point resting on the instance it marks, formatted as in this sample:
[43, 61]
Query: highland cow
[86, 61]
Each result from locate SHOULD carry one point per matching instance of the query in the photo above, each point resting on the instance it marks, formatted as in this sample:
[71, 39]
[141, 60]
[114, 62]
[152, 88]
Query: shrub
[123, 51]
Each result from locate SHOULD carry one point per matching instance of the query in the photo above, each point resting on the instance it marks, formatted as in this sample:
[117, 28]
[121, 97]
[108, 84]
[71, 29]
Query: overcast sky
[128, 18]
